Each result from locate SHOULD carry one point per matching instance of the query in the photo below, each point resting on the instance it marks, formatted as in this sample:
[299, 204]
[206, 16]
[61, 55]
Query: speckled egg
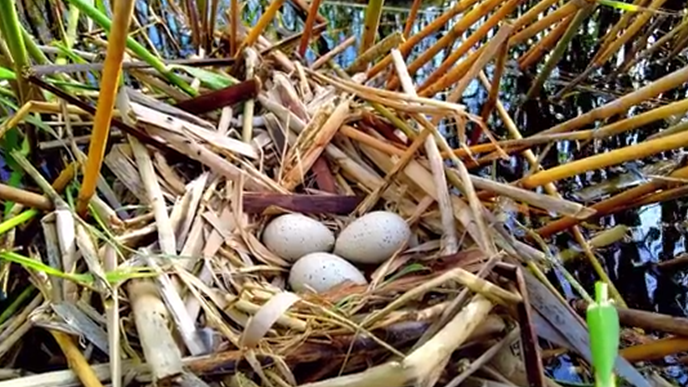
[372, 238]
[323, 271]
[292, 236]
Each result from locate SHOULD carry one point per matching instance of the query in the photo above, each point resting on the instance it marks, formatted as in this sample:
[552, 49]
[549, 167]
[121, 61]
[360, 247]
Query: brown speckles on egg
[373, 238]
[292, 236]
[323, 271]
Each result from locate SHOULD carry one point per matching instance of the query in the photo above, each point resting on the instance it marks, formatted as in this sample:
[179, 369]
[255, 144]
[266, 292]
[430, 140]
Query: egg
[323, 271]
[292, 236]
[372, 238]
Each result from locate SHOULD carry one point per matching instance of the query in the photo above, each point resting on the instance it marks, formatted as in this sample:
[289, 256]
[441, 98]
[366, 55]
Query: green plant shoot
[603, 325]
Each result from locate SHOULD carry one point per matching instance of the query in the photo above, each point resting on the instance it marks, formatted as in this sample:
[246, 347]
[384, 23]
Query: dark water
[658, 231]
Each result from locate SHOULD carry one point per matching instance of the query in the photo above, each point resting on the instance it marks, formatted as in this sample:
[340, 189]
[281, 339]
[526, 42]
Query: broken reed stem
[150, 315]
[233, 27]
[76, 360]
[450, 242]
[111, 305]
[109, 83]
[489, 105]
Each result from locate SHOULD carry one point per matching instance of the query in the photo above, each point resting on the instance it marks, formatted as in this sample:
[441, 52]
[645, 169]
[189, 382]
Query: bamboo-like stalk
[308, 28]
[551, 189]
[561, 13]
[251, 59]
[559, 50]
[614, 157]
[257, 30]
[106, 101]
[655, 46]
[450, 242]
[608, 205]
[645, 118]
[412, 17]
[622, 104]
[489, 105]
[457, 30]
[502, 13]
[103, 21]
[436, 24]
[234, 20]
[491, 49]
[538, 50]
[373, 13]
[11, 31]
[77, 361]
[655, 349]
[615, 43]
[619, 26]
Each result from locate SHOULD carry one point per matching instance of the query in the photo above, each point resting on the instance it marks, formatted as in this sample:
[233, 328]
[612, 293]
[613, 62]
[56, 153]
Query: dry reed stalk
[380, 48]
[251, 58]
[109, 83]
[313, 149]
[639, 120]
[659, 197]
[491, 49]
[76, 360]
[489, 105]
[614, 157]
[367, 139]
[333, 52]
[538, 50]
[533, 13]
[549, 203]
[469, 19]
[622, 104]
[615, 43]
[25, 198]
[411, 17]
[422, 365]
[562, 12]
[558, 52]
[412, 41]
[111, 306]
[608, 205]
[552, 190]
[308, 27]
[390, 99]
[505, 10]
[450, 242]
[655, 350]
[471, 281]
[150, 315]
[654, 47]
[369, 202]
[619, 26]
[255, 32]
[602, 239]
